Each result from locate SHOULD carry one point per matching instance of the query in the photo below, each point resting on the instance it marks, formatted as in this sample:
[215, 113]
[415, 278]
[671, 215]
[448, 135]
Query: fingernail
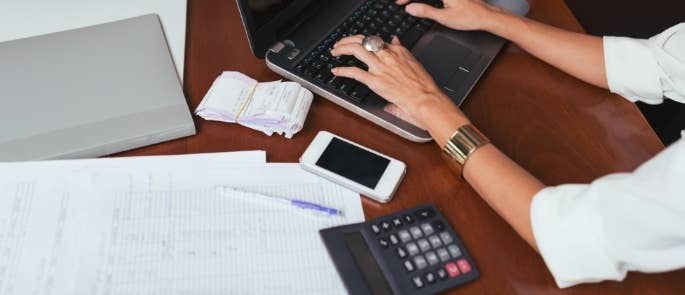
[411, 9]
[334, 70]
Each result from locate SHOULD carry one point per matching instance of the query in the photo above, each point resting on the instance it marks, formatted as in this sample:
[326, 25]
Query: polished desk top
[560, 129]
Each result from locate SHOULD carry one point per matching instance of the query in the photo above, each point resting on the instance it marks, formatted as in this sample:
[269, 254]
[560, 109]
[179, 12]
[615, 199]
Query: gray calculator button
[394, 240]
[415, 232]
[386, 225]
[427, 229]
[412, 249]
[420, 262]
[443, 254]
[446, 238]
[429, 278]
[435, 241]
[432, 258]
[418, 283]
[404, 236]
[424, 245]
[408, 266]
[397, 222]
[383, 242]
[454, 251]
[401, 253]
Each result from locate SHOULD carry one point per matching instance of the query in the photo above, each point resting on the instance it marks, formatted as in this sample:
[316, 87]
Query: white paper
[270, 107]
[165, 231]
[27, 18]
[15, 170]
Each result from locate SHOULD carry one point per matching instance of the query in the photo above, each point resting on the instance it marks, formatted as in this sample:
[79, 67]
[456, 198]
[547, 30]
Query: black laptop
[296, 36]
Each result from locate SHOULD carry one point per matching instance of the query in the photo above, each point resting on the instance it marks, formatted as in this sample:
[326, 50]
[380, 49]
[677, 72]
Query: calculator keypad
[427, 251]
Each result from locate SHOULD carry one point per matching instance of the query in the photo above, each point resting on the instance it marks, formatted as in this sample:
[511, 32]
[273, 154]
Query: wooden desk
[559, 128]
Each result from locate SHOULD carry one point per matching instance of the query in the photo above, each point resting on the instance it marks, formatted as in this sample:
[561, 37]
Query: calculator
[414, 251]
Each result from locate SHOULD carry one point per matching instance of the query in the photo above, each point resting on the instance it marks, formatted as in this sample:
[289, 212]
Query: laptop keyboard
[383, 18]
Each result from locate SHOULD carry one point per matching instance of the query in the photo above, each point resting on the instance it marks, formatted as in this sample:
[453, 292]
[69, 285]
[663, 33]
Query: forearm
[579, 55]
[503, 184]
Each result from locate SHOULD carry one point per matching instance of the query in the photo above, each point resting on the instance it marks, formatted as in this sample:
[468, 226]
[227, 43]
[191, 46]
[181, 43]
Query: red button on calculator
[464, 265]
[452, 269]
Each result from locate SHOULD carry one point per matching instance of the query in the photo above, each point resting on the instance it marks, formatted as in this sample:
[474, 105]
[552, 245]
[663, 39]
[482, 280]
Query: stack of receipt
[271, 107]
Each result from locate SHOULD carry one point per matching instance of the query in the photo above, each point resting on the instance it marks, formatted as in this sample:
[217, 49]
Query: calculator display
[366, 263]
[353, 163]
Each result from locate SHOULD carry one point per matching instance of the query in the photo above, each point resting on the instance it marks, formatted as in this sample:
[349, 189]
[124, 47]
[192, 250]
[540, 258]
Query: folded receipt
[271, 107]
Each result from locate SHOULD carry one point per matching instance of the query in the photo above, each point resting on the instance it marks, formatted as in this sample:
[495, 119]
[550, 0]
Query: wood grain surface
[557, 127]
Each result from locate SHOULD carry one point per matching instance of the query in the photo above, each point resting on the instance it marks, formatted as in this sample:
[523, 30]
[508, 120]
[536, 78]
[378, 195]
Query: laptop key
[407, 23]
[423, 26]
[354, 63]
[325, 56]
[411, 37]
[334, 81]
[308, 71]
[359, 93]
[399, 31]
[347, 85]
[341, 59]
[323, 75]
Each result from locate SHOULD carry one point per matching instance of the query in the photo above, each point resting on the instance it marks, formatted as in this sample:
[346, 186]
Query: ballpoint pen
[302, 206]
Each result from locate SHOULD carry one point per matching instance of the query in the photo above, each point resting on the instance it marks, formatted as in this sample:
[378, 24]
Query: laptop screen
[263, 11]
[265, 19]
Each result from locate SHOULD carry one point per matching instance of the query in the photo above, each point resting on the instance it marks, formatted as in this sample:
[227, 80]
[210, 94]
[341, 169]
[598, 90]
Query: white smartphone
[353, 166]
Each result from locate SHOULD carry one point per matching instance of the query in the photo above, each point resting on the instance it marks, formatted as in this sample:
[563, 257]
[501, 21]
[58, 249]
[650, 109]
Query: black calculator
[414, 251]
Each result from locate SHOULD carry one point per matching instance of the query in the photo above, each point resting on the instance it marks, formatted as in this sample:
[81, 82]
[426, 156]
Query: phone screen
[353, 163]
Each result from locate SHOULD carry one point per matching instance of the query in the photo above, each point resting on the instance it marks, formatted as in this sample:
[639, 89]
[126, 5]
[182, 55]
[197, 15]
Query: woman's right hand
[465, 15]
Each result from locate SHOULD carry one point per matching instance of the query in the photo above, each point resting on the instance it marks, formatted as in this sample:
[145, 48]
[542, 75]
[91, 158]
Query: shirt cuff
[568, 231]
[632, 70]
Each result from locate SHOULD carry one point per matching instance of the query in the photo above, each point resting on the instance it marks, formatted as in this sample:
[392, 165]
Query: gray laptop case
[90, 92]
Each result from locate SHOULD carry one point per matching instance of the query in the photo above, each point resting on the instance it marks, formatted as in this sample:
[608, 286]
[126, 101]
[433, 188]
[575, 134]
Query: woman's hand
[397, 76]
[394, 73]
[464, 15]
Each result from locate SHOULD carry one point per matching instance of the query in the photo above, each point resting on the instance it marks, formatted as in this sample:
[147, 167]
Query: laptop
[295, 38]
[90, 92]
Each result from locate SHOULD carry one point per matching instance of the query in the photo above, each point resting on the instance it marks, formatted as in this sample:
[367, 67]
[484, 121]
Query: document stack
[271, 107]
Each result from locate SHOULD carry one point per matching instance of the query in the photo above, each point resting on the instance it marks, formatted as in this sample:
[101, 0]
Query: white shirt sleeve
[629, 221]
[619, 223]
[647, 70]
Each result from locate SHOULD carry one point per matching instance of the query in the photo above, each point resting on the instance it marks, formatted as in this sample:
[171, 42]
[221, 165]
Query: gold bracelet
[466, 140]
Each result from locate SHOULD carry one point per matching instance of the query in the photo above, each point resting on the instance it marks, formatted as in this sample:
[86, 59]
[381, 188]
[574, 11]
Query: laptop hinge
[277, 47]
[289, 46]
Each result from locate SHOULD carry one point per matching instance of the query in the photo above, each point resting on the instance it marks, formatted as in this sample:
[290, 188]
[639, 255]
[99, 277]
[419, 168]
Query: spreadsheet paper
[158, 229]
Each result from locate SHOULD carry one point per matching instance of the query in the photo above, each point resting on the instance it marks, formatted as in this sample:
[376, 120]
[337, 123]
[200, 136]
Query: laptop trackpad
[442, 57]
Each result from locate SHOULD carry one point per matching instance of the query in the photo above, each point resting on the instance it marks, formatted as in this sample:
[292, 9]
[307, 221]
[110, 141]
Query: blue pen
[302, 206]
